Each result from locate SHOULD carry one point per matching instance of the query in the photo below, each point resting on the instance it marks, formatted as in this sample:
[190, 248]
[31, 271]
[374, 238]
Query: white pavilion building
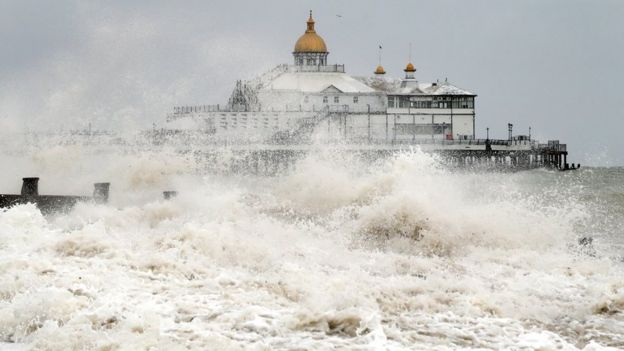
[291, 101]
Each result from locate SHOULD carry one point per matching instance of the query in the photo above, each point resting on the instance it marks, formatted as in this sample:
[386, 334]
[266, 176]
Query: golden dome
[380, 70]
[410, 68]
[310, 41]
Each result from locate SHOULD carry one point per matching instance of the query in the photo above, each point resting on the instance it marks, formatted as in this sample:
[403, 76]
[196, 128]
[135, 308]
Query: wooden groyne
[60, 203]
[52, 203]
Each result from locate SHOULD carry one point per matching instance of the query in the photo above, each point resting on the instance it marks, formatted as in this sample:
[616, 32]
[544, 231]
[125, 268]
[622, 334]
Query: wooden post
[100, 192]
[170, 194]
[30, 186]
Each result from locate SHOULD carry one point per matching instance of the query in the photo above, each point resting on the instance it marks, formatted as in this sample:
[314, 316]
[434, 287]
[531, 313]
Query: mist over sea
[337, 253]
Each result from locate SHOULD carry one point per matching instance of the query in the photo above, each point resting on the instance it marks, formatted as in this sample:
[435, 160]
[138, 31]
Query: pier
[271, 159]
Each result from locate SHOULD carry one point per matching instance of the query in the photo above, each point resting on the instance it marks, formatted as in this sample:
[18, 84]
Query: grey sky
[556, 66]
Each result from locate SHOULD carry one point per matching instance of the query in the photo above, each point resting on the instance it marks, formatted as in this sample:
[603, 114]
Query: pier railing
[497, 142]
[554, 145]
[184, 110]
[326, 68]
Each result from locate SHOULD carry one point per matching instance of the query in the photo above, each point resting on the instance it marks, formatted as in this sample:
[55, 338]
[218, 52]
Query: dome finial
[409, 69]
[310, 24]
[380, 69]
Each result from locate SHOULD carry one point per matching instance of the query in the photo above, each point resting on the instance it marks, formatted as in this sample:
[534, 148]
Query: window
[391, 101]
[355, 99]
[404, 102]
[463, 102]
[420, 103]
[336, 100]
[306, 99]
[325, 100]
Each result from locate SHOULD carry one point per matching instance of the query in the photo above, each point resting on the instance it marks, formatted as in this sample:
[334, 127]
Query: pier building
[295, 107]
[278, 117]
[292, 96]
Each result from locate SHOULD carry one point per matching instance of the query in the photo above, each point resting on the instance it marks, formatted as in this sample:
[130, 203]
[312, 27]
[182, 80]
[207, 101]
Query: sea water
[335, 253]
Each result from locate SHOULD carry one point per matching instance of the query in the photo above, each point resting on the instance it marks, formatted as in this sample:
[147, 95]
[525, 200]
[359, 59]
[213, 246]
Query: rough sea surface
[335, 254]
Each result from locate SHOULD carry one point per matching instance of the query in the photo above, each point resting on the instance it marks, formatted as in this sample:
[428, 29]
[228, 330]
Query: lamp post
[487, 131]
[529, 133]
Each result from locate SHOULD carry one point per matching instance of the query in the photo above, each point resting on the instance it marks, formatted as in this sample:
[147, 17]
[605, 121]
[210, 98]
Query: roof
[412, 87]
[316, 82]
[310, 41]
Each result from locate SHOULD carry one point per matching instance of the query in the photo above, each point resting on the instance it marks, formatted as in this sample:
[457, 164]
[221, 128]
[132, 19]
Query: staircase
[302, 132]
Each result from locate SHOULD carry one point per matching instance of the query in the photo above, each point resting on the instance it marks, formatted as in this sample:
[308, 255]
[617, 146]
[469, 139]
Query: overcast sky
[557, 66]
